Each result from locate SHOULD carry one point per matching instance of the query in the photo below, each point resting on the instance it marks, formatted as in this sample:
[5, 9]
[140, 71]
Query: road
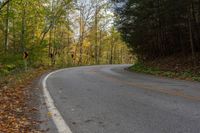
[110, 99]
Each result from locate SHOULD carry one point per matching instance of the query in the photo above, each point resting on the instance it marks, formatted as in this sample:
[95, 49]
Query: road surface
[110, 99]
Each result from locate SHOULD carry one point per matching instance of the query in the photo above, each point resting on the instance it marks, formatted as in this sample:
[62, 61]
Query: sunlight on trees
[58, 33]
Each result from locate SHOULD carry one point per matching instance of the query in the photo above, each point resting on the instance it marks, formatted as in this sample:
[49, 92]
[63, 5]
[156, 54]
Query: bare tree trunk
[23, 33]
[121, 52]
[111, 51]
[191, 38]
[96, 38]
[14, 36]
[100, 47]
[50, 47]
[23, 30]
[81, 39]
[6, 43]
[4, 4]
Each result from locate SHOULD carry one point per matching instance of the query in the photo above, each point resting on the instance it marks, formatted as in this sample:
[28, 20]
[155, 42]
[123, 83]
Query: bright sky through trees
[59, 32]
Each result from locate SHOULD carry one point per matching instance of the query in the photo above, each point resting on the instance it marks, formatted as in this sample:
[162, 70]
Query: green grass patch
[186, 75]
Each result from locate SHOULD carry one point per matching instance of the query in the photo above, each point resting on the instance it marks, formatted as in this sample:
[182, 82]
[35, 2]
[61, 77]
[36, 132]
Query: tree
[56, 33]
[160, 28]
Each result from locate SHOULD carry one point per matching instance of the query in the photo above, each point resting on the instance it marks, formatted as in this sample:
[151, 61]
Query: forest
[61, 33]
[64, 33]
[158, 37]
[161, 31]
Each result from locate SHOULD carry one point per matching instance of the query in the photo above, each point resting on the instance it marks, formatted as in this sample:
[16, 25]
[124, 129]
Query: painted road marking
[60, 123]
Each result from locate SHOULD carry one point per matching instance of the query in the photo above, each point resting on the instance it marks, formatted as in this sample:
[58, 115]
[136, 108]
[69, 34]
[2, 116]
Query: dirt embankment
[176, 66]
[176, 63]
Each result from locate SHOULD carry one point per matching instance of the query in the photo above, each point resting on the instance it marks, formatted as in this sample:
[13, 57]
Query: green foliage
[195, 78]
[160, 28]
[47, 31]
[141, 68]
[10, 62]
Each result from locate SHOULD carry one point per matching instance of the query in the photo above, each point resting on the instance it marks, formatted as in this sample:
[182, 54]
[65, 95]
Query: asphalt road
[109, 99]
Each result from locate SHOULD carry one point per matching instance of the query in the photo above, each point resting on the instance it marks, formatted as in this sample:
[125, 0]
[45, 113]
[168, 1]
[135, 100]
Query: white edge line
[60, 123]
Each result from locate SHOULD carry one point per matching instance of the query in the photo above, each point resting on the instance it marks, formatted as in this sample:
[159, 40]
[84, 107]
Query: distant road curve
[110, 99]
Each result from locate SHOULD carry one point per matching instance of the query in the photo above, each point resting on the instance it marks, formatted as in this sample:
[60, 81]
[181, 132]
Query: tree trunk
[6, 43]
[191, 38]
[96, 38]
[23, 29]
[81, 39]
[111, 51]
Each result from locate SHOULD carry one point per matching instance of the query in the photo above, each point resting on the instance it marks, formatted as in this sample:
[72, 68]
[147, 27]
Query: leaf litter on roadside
[14, 111]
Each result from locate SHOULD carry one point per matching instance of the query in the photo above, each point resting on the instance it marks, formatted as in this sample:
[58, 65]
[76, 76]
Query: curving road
[110, 99]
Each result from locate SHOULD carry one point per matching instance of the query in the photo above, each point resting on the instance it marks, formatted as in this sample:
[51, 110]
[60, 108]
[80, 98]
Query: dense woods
[161, 37]
[156, 29]
[36, 33]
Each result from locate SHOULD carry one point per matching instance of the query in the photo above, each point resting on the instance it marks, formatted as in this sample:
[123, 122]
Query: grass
[185, 75]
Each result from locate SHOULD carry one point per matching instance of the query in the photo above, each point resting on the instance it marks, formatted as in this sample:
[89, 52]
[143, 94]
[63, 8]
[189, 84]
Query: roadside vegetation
[15, 113]
[58, 33]
[41, 35]
[153, 70]
[164, 35]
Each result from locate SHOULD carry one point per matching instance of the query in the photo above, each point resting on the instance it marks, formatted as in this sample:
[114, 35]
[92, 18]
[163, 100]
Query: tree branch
[4, 4]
